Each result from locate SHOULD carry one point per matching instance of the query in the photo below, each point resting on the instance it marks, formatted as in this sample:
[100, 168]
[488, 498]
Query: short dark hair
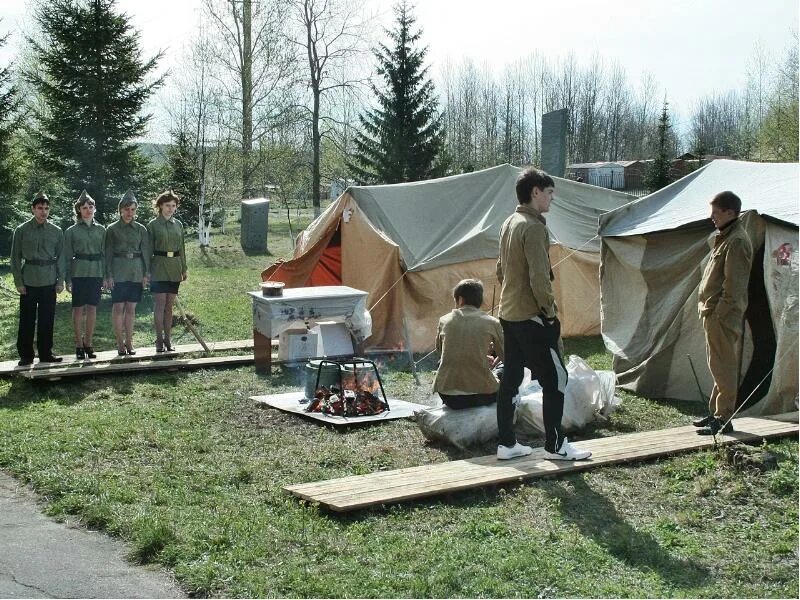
[40, 198]
[532, 178]
[727, 201]
[471, 290]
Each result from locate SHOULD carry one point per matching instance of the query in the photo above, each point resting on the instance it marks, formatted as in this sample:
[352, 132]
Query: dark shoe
[89, 352]
[714, 427]
[79, 353]
[130, 351]
[122, 352]
[50, 359]
[168, 346]
[702, 422]
[159, 346]
[25, 362]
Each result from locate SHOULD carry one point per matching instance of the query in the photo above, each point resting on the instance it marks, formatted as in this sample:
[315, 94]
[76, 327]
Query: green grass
[189, 472]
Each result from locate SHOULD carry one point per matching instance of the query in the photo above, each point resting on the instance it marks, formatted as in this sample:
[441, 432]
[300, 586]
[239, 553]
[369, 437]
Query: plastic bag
[588, 393]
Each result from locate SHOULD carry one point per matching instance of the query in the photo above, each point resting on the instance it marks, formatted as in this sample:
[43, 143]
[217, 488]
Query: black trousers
[529, 344]
[41, 300]
[459, 401]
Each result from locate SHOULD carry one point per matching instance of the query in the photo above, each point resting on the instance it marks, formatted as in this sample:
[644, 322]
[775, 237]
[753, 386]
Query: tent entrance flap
[758, 377]
[328, 270]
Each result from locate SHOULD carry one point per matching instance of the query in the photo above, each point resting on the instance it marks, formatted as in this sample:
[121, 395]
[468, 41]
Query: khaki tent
[409, 244]
[653, 254]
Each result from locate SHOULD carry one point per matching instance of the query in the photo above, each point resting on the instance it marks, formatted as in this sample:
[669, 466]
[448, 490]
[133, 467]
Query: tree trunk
[247, 100]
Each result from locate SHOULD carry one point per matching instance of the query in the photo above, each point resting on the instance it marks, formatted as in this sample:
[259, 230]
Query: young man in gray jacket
[528, 315]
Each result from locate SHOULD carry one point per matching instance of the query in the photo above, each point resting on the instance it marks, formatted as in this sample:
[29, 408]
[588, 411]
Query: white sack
[588, 393]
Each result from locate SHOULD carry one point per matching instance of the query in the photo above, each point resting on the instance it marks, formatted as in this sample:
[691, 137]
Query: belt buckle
[129, 255]
[170, 254]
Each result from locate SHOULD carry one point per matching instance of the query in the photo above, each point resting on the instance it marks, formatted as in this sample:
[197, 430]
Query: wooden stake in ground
[191, 327]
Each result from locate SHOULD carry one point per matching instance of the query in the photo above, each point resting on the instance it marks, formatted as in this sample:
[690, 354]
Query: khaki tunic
[523, 267]
[463, 341]
[127, 238]
[722, 300]
[723, 288]
[83, 239]
[166, 235]
[34, 242]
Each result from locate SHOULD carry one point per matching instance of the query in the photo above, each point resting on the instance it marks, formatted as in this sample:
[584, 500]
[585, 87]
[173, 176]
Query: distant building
[602, 174]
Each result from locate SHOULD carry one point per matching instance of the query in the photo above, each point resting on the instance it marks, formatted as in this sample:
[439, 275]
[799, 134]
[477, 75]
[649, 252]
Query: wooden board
[95, 368]
[360, 491]
[11, 367]
[294, 402]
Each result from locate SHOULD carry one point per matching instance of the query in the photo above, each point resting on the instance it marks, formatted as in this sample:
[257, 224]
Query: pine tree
[9, 120]
[657, 175]
[402, 138]
[92, 79]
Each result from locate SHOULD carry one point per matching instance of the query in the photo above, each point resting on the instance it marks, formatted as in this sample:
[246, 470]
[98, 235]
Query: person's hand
[109, 283]
[22, 290]
[493, 361]
[59, 287]
[69, 287]
[145, 281]
[184, 276]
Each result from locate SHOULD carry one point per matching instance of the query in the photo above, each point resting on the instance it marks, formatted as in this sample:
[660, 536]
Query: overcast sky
[691, 47]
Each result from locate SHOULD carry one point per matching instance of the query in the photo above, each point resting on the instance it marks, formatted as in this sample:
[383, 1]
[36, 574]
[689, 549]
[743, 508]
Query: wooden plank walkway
[361, 491]
[10, 367]
[108, 368]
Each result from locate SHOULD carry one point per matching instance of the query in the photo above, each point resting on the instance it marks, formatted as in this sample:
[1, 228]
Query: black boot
[716, 426]
[89, 352]
[702, 422]
[79, 354]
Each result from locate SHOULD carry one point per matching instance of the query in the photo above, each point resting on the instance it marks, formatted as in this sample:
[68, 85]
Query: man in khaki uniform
[465, 378]
[722, 300]
[38, 276]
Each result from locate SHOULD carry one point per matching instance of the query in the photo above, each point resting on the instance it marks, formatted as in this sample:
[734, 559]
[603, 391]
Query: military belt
[40, 263]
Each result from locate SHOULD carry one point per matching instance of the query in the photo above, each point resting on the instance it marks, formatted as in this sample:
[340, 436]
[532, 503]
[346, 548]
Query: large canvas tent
[653, 254]
[409, 244]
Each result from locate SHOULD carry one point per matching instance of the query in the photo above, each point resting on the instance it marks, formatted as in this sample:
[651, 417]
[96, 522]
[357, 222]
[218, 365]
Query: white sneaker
[567, 452]
[505, 453]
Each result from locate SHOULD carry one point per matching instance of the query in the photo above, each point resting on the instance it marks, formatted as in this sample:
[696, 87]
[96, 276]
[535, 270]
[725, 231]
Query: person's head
[40, 207]
[84, 207]
[127, 207]
[725, 207]
[167, 203]
[470, 291]
[535, 188]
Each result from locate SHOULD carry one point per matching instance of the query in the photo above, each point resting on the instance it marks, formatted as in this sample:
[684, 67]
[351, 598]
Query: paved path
[40, 558]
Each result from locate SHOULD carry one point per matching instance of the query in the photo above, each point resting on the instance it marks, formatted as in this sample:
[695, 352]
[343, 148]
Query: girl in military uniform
[83, 254]
[128, 255]
[167, 267]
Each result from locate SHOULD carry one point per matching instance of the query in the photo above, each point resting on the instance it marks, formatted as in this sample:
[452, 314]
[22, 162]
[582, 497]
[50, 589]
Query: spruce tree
[9, 120]
[657, 175]
[401, 139]
[183, 176]
[92, 78]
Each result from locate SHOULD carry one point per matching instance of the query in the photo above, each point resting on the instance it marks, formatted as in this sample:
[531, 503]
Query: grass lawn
[189, 471]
